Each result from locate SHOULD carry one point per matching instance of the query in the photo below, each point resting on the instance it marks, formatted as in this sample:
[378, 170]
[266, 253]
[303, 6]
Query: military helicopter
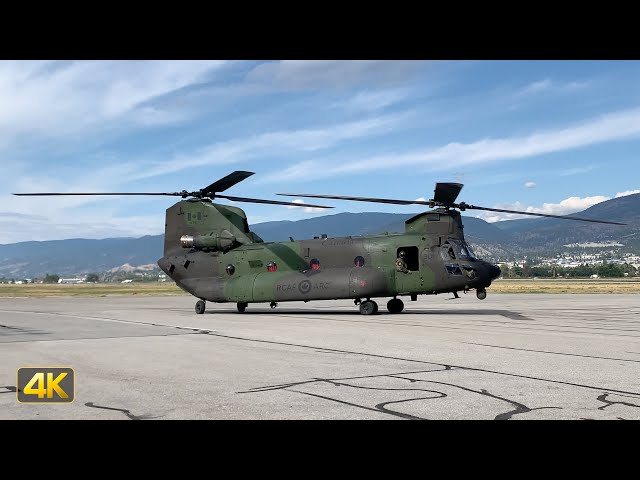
[210, 252]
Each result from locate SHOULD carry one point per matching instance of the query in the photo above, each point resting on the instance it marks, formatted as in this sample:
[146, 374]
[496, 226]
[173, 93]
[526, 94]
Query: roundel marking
[304, 286]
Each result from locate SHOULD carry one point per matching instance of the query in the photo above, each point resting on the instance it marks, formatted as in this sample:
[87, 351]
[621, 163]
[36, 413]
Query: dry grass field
[169, 288]
[90, 290]
[560, 285]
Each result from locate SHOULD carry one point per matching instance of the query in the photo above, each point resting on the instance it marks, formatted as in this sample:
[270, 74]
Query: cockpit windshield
[472, 254]
[463, 249]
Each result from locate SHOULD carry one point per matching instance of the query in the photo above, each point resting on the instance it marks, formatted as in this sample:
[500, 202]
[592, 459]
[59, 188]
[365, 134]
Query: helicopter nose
[494, 272]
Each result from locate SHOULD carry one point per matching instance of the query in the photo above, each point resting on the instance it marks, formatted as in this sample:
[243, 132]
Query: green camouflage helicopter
[210, 252]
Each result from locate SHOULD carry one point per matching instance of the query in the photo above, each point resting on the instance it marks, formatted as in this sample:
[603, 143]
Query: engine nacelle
[222, 241]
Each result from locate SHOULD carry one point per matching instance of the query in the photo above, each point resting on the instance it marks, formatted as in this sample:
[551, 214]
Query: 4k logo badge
[45, 385]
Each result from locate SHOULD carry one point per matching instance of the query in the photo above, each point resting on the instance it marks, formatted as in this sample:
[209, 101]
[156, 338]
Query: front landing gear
[200, 306]
[368, 307]
[395, 305]
[242, 306]
[481, 294]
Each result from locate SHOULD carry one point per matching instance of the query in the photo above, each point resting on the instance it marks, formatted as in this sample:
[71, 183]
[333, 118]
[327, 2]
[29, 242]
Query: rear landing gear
[368, 307]
[200, 306]
[242, 306]
[395, 305]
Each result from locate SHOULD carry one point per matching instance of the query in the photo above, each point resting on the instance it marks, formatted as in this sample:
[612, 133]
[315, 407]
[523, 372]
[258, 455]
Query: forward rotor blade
[359, 199]
[174, 194]
[271, 202]
[464, 206]
[446, 193]
[226, 182]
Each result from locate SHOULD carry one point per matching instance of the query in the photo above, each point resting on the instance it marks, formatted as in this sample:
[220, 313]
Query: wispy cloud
[549, 86]
[575, 171]
[530, 184]
[372, 100]
[610, 127]
[311, 74]
[56, 99]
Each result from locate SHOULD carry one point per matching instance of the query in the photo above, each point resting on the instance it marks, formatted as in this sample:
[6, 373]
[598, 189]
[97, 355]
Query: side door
[412, 280]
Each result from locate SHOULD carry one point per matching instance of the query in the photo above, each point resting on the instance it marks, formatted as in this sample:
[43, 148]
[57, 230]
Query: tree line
[607, 270]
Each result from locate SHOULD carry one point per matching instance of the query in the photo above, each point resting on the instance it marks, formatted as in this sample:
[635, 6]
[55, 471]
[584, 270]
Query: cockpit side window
[448, 252]
[462, 249]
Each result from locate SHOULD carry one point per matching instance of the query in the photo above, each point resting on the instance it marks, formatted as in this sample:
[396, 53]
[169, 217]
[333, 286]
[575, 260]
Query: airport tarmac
[509, 357]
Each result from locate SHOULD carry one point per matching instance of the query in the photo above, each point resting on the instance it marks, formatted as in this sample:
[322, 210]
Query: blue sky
[542, 136]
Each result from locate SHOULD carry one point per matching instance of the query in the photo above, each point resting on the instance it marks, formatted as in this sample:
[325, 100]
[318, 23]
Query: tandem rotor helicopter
[210, 252]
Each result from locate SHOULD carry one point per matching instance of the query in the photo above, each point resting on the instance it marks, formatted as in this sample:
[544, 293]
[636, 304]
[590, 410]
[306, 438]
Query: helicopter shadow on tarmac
[322, 312]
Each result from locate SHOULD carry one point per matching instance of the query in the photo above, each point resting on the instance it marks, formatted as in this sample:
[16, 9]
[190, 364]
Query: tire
[200, 307]
[368, 307]
[395, 305]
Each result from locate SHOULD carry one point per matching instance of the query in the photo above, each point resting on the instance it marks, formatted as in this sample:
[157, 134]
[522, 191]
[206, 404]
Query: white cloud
[420, 199]
[307, 209]
[530, 184]
[565, 207]
[310, 74]
[626, 192]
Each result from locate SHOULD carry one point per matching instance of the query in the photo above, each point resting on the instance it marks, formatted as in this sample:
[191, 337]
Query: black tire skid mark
[520, 408]
[608, 403]
[364, 354]
[554, 353]
[293, 384]
[381, 406]
[128, 413]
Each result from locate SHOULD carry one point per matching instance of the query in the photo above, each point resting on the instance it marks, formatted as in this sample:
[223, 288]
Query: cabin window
[359, 261]
[230, 269]
[314, 264]
[453, 269]
[272, 267]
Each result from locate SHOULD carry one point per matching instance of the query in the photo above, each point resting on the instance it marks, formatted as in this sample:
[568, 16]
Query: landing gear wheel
[242, 306]
[200, 306]
[368, 307]
[481, 294]
[395, 305]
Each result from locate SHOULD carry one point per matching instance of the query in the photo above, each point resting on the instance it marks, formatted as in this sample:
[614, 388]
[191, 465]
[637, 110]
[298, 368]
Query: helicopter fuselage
[330, 268]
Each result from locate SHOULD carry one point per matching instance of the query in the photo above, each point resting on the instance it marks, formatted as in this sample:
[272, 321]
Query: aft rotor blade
[446, 193]
[226, 182]
[360, 199]
[174, 194]
[464, 206]
[271, 202]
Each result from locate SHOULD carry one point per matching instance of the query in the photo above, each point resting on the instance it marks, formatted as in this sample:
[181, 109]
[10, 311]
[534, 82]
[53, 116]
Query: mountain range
[494, 241]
